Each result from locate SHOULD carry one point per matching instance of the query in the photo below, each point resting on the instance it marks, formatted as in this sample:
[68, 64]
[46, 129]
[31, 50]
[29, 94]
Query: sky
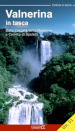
[63, 19]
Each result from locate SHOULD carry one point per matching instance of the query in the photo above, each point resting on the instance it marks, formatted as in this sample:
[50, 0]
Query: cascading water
[27, 112]
[45, 51]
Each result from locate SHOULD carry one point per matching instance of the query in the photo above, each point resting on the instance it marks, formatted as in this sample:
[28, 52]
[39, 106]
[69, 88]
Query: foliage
[10, 50]
[21, 92]
[15, 99]
[29, 97]
[60, 70]
[59, 105]
[55, 84]
[4, 113]
[24, 73]
[19, 102]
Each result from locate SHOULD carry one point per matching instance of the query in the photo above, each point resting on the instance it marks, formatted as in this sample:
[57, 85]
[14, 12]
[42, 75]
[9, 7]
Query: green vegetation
[15, 99]
[59, 104]
[56, 82]
[24, 73]
[60, 70]
[19, 102]
[66, 42]
[4, 113]
[29, 97]
[10, 49]
[21, 92]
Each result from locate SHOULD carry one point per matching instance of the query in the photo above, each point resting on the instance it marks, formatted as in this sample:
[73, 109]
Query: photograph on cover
[37, 61]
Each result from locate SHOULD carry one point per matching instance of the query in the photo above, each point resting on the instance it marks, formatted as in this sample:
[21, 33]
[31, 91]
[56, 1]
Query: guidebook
[37, 65]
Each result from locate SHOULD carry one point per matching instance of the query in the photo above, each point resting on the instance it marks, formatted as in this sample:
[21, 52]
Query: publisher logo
[42, 127]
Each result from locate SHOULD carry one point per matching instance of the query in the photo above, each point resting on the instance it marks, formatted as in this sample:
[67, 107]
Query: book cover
[37, 64]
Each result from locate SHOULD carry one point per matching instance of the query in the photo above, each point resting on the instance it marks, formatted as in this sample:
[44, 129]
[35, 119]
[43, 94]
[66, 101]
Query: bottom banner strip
[49, 127]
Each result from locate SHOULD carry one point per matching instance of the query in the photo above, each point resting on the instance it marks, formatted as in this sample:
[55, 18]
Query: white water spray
[43, 51]
[46, 51]
[29, 111]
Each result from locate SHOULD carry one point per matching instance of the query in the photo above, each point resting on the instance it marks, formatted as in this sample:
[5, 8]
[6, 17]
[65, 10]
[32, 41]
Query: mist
[30, 57]
[58, 49]
[28, 66]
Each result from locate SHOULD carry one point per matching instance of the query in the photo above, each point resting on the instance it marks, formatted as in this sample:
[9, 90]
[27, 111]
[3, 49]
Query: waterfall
[46, 51]
[27, 109]
[27, 112]
[43, 51]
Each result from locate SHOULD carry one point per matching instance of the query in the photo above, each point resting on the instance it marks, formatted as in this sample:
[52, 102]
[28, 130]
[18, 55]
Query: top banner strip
[25, 5]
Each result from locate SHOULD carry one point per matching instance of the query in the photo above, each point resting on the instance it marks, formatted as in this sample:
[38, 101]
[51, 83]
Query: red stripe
[49, 127]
